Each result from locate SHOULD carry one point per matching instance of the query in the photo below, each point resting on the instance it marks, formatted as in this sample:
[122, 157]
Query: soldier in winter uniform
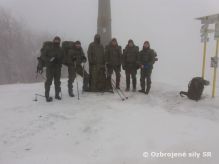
[129, 64]
[113, 62]
[74, 58]
[51, 57]
[96, 59]
[146, 60]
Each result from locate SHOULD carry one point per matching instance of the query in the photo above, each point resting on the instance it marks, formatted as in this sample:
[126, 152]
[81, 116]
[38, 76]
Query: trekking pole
[114, 87]
[36, 95]
[83, 78]
[41, 74]
[77, 81]
[113, 81]
[77, 88]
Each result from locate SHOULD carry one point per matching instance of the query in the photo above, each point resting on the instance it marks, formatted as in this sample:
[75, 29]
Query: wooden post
[204, 59]
[104, 21]
[215, 72]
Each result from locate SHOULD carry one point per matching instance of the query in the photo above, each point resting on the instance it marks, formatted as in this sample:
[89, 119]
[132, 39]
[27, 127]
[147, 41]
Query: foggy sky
[168, 24]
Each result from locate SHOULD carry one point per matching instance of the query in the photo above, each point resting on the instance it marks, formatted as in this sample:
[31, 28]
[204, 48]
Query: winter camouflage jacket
[52, 56]
[113, 55]
[96, 54]
[75, 56]
[130, 57]
[148, 57]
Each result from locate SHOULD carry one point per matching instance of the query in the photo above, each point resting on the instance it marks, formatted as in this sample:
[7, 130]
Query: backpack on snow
[195, 88]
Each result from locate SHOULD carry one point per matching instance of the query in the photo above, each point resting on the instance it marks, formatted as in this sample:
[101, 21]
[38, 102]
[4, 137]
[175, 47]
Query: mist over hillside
[19, 47]
[97, 118]
[169, 26]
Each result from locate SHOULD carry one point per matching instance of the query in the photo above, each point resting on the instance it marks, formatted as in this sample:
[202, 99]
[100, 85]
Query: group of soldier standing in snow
[102, 62]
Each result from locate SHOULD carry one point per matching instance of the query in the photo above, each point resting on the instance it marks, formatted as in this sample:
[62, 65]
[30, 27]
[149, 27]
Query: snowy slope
[101, 129]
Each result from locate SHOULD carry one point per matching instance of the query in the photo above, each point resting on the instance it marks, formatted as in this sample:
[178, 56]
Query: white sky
[168, 24]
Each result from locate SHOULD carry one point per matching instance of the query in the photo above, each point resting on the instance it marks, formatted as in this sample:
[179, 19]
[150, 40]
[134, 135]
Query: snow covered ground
[101, 129]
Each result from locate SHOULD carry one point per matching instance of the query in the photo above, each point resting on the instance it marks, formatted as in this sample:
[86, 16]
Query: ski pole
[123, 99]
[40, 95]
[83, 78]
[120, 90]
[77, 88]
[77, 81]
[36, 95]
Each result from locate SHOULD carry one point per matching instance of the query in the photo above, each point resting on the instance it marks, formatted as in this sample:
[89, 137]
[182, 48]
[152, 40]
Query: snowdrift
[102, 129]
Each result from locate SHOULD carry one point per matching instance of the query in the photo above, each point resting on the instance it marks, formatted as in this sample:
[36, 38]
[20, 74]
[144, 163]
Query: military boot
[127, 85]
[70, 92]
[48, 98]
[110, 89]
[109, 85]
[127, 88]
[134, 85]
[148, 85]
[142, 91]
[117, 83]
[147, 90]
[86, 84]
[57, 94]
[142, 88]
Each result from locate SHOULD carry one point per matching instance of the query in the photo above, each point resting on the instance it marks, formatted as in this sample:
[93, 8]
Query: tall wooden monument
[104, 21]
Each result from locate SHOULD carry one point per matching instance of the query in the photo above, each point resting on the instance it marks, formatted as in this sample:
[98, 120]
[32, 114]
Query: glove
[52, 59]
[146, 66]
[40, 66]
[84, 59]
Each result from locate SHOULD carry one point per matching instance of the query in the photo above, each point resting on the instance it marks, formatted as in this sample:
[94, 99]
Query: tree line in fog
[19, 48]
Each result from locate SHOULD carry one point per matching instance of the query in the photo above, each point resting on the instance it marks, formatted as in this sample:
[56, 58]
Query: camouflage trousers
[145, 75]
[97, 78]
[72, 70]
[117, 70]
[53, 72]
[131, 72]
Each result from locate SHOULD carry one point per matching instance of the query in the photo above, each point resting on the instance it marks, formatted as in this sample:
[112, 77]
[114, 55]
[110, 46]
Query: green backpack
[46, 46]
[195, 88]
[66, 46]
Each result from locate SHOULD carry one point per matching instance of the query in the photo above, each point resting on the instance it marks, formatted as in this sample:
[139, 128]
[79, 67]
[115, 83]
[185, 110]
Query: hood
[97, 38]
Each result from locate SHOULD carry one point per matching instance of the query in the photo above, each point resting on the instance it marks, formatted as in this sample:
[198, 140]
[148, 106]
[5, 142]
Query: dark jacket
[147, 57]
[130, 57]
[113, 55]
[75, 56]
[96, 54]
[52, 56]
